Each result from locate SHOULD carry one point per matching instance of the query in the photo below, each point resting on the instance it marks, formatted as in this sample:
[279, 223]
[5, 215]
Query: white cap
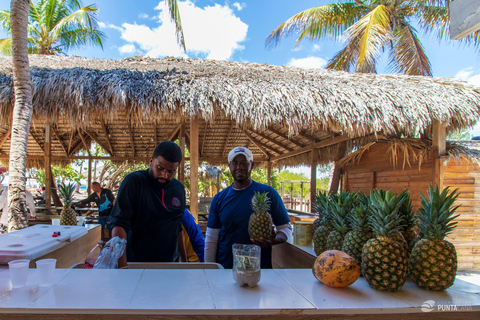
[240, 150]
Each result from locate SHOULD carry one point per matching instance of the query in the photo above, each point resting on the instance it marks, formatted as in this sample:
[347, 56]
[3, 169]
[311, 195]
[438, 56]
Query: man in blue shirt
[231, 209]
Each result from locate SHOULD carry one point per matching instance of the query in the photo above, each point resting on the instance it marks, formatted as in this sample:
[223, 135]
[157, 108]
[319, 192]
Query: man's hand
[275, 238]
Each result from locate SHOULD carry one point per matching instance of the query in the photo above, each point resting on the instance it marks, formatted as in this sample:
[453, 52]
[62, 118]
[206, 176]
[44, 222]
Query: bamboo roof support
[232, 124]
[85, 144]
[306, 135]
[273, 141]
[204, 137]
[259, 146]
[5, 137]
[105, 132]
[278, 133]
[313, 177]
[130, 136]
[174, 133]
[36, 140]
[94, 137]
[55, 132]
[194, 163]
[48, 169]
[70, 141]
[264, 145]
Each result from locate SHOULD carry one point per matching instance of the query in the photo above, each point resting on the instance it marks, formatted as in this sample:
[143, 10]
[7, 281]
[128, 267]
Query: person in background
[193, 238]
[42, 195]
[105, 200]
[149, 209]
[4, 207]
[231, 209]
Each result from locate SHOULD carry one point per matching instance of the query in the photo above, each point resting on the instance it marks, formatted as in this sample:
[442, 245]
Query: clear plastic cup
[55, 222]
[18, 272]
[46, 270]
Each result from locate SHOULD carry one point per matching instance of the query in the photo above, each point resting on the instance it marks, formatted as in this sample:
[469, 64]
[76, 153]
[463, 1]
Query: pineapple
[68, 216]
[341, 211]
[433, 261]
[361, 231]
[260, 222]
[320, 207]
[320, 235]
[409, 232]
[384, 263]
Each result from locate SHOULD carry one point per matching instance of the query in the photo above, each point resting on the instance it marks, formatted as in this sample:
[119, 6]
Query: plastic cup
[46, 270]
[18, 272]
[56, 222]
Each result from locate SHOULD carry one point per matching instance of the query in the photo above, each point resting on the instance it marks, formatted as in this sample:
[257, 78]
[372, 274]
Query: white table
[182, 294]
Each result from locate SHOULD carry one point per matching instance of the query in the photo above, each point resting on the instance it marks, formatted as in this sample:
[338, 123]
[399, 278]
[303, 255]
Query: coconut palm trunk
[22, 114]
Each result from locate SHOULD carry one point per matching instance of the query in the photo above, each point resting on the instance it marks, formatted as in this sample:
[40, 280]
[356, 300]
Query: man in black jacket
[149, 209]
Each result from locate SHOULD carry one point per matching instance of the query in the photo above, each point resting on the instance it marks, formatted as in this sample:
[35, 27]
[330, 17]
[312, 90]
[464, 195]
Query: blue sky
[236, 31]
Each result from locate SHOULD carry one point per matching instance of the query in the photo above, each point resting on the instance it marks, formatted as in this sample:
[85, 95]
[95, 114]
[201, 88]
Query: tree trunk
[22, 114]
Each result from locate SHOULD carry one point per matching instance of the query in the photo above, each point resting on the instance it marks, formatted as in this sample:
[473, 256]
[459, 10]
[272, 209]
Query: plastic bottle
[93, 255]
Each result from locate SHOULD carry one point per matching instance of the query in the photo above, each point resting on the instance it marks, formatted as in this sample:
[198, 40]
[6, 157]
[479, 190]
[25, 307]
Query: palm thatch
[413, 151]
[281, 113]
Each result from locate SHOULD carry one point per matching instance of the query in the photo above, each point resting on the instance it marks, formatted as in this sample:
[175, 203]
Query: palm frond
[371, 32]
[327, 20]
[408, 55]
[6, 46]
[175, 16]
[5, 20]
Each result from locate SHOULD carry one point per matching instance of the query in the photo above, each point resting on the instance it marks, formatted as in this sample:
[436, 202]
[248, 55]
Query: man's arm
[120, 232]
[30, 203]
[211, 244]
[85, 201]
[181, 248]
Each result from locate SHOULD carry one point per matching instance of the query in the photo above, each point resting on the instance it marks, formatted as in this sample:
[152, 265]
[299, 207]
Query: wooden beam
[264, 145]
[228, 138]
[105, 132]
[313, 176]
[278, 133]
[204, 137]
[5, 137]
[174, 133]
[84, 144]
[181, 137]
[36, 140]
[337, 171]
[273, 141]
[94, 137]
[48, 169]
[269, 173]
[194, 163]
[70, 142]
[130, 135]
[55, 132]
[317, 145]
[259, 146]
[306, 135]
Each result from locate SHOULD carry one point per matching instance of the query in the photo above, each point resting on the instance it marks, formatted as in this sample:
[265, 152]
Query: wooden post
[269, 172]
[374, 180]
[301, 196]
[181, 168]
[313, 177]
[291, 196]
[194, 162]
[219, 182]
[439, 142]
[48, 169]
[335, 180]
[89, 177]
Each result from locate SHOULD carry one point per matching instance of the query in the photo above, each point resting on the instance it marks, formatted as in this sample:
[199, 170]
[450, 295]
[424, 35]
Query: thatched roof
[279, 112]
[416, 150]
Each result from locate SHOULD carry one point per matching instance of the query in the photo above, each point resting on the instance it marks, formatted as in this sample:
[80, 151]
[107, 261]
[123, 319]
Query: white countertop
[214, 292]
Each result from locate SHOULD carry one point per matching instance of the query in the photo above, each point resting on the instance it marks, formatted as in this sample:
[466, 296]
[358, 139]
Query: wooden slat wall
[466, 237]
[375, 170]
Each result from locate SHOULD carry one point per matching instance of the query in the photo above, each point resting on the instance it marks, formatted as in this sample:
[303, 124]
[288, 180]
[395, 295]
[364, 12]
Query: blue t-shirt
[230, 211]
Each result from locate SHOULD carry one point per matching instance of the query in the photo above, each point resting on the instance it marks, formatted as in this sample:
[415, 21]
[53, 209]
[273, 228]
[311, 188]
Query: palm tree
[22, 113]
[370, 27]
[55, 26]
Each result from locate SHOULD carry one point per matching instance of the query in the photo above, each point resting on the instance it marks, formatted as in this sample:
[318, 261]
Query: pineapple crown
[341, 207]
[66, 192]
[260, 202]
[406, 211]
[320, 203]
[436, 214]
[359, 220]
[385, 206]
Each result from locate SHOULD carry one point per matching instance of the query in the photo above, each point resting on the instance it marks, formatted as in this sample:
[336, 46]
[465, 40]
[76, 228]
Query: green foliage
[61, 174]
[54, 26]
[459, 135]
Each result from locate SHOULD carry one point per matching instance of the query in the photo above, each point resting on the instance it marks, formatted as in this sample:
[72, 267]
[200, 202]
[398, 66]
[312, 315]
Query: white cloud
[143, 16]
[103, 25]
[464, 74]
[316, 47]
[467, 75]
[239, 6]
[308, 62]
[127, 49]
[213, 32]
